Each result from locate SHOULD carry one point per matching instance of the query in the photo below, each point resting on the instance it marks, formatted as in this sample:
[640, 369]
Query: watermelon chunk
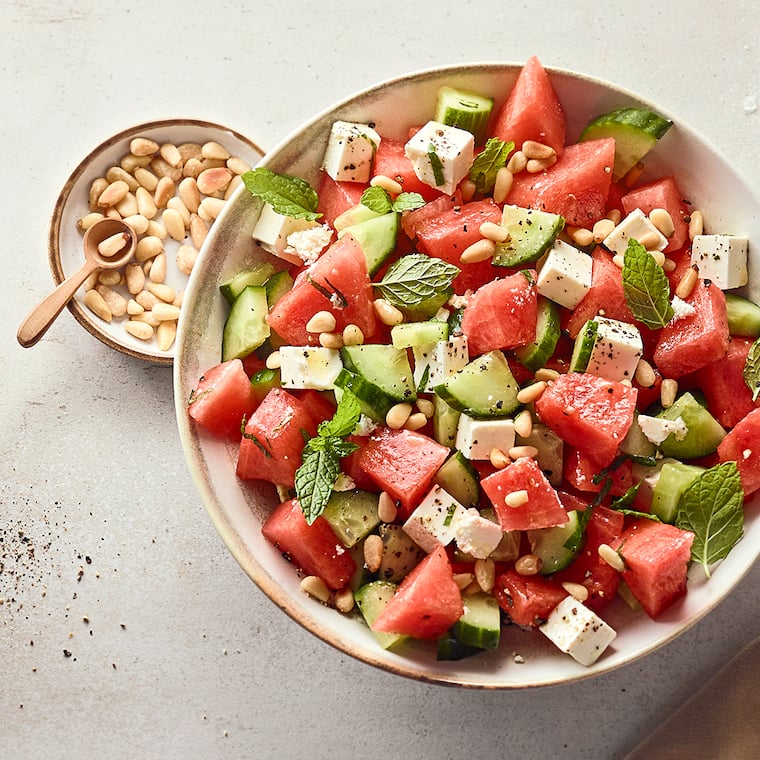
[427, 603]
[336, 197]
[527, 599]
[576, 187]
[543, 509]
[391, 161]
[588, 412]
[532, 110]
[502, 314]
[579, 470]
[656, 557]
[742, 445]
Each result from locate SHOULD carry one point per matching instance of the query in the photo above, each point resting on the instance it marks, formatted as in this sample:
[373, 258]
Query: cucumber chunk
[584, 346]
[371, 600]
[743, 316]
[376, 237]
[460, 479]
[277, 286]
[557, 547]
[450, 648]
[480, 625]
[445, 422]
[400, 553]
[374, 402]
[531, 234]
[417, 334]
[704, 432]
[246, 327]
[352, 515]
[536, 354]
[382, 365]
[465, 110]
[355, 215]
[257, 275]
[673, 480]
[635, 130]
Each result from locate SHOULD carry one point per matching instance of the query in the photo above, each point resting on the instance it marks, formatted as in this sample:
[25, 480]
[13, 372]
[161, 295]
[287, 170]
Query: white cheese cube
[272, 231]
[565, 275]
[350, 151]
[441, 155]
[476, 535]
[617, 350]
[578, 631]
[635, 226]
[722, 259]
[657, 429]
[432, 522]
[435, 363]
[309, 367]
[476, 438]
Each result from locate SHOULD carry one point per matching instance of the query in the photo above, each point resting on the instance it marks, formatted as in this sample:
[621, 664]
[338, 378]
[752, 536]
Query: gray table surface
[183, 657]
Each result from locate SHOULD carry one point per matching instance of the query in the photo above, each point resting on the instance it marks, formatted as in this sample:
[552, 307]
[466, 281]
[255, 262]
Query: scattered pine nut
[387, 313]
[614, 216]
[517, 162]
[536, 165]
[113, 244]
[502, 184]
[386, 507]
[482, 250]
[696, 224]
[531, 392]
[485, 574]
[662, 219]
[498, 458]
[322, 321]
[516, 452]
[352, 335]
[669, 265]
[668, 392]
[524, 423]
[386, 183]
[688, 282]
[495, 232]
[426, 406]
[537, 150]
[274, 360]
[611, 557]
[645, 375]
[577, 590]
[516, 498]
[463, 580]
[166, 332]
[344, 600]
[619, 260]
[139, 330]
[649, 240]
[415, 421]
[580, 236]
[331, 340]
[397, 415]
[373, 552]
[315, 587]
[545, 374]
[528, 564]
[97, 305]
[602, 229]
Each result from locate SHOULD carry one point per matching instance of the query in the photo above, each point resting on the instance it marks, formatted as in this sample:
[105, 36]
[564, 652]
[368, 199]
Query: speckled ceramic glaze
[237, 508]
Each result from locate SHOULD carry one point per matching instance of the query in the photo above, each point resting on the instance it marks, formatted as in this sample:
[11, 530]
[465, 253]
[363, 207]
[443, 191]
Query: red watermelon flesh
[391, 161]
[502, 314]
[742, 445]
[579, 470]
[576, 187]
[336, 197]
[527, 599]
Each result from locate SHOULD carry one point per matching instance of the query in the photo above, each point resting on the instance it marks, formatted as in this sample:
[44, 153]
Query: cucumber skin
[743, 316]
[246, 327]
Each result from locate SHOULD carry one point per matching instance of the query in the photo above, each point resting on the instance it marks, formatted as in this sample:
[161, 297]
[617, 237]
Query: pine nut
[688, 282]
[387, 313]
[524, 423]
[117, 174]
[146, 205]
[190, 150]
[531, 392]
[109, 277]
[633, 174]
[88, 220]
[516, 498]
[170, 154]
[534, 149]
[498, 458]
[463, 580]
[156, 229]
[373, 552]
[113, 244]
[662, 219]
[536, 165]
[212, 180]
[113, 193]
[179, 298]
[344, 600]
[352, 335]
[467, 187]
[649, 240]
[611, 557]
[502, 184]
[127, 206]
[485, 574]
[397, 415]
[192, 168]
[659, 257]
[386, 183]
[315, 587]
[322, 321]
[143, 146]
[237, 165]
[580, 236]
[528, 564]
[138, 223]
[97, 305]
[166, 332]
[210, 208]
[146, 178]
[415, 421]
[165, 312]
[134, 277]
[177, 205]
[139, 330]
[96, 190]
[517, 162]
[174, 224]
[495, 232]
[147, 317]
[116, 302]
[545, 375]
[213, 149]
[696, 224]
[619, 260]
[481, 250]
[134, 308]
[645, 375]
[577, 590]
[473, 588]
[669, 265]
[162, 292]
[386, 508]
[146, 299]
[164, 191]
[614, 215]
[148, 247]
[331, 340]
[190, 194]
[668, 392]
[602, 229]
[516, 452]
[426, 406]
[274, 360]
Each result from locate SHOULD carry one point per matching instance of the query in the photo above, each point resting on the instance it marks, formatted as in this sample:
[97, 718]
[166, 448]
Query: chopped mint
[646, 287]
[289, 196]
[408, 202]
[380, 201]
[751, 372]
[488, 162]
[415, 278]
[436, 165]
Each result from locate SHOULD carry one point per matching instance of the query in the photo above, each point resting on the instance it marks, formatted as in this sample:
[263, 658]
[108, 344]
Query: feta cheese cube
[441, 155]
[476, 438]
[435, 363]
[617, 350]
[565, 275]
[635, 226]
[350, 151]
[309, 367]
[432, 522]
[476, 535]
[657, 429]
[722, 259]
[578, 631]
[273, 229]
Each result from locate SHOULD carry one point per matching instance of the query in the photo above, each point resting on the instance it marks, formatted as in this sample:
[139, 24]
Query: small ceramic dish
[65, 237]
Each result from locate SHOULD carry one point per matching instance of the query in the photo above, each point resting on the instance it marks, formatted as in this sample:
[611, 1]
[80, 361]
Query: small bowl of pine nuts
[168, 180]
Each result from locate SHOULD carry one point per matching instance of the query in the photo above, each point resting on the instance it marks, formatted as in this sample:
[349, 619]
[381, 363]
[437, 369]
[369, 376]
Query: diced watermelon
[543, 508]
[403, 463]
[447, 235]
[527, 599]
[320, 405]
[682, 260]
[222, 398]
[427, 603]
[662, 193]
[336, 197]
[694, 341]
[337, 282]
[579, 470]
[588, 412]
[314, 549]
[532, 110]
[656, 557]
[742, 445]
[424, 215]
[273, 439]
[391, 161]
[576, 187]
[502, 314]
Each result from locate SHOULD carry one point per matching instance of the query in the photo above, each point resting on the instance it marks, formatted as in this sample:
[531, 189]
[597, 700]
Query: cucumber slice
[704, 432]
[352, 515]
[371, 600]
[465, 110]
[258, 275]
[584, 345]
[531, 234]
[557, 547]
[246, 327]
[277, 286]
[445, 422]
[400, 553]
[355, 215]
[480, 625]
[673, 480]
[416, 334]
[743, 316]
[536, 354]
[374, 402]
[485, 387]
[264, 380]
[450, 648]
[384, 366]
[460, 479]
[376, 237]
[636, 130]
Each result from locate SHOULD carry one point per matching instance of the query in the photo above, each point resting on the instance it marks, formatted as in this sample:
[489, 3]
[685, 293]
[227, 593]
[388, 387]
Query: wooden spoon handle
[43, 315]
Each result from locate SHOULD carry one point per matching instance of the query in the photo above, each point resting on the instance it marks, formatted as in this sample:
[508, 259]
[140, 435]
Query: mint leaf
[415, 278]
[751, 371]
[436, 166]
[290, 196]
[345, 418]
[488, 162]
[408, 202]
[712, 507]
[646, 287]
[377, 199]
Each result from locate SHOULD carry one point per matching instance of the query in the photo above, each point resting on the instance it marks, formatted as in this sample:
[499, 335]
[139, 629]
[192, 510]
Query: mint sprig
[487, 163]
[320, 466]
[415, 278]
[289, 196]
[751, 371]
[646, 287]
[712, 507]
[379, 200]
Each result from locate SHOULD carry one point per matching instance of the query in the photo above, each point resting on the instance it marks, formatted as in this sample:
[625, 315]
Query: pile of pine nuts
[169, 194]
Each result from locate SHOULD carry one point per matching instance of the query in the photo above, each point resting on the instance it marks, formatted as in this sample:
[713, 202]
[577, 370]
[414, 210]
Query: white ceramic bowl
[65, 239]
[238, 508]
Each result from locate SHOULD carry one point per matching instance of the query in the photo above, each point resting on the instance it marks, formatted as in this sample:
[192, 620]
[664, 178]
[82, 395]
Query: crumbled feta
[722, 259]
[476, 535]
[441, 155]
[657, 429]
[432, 522]
[459, 301]
[309, 367]
[350, 151]
[365, 425]
[565, 275]
[681, 309]
[273, 229]
[309, 243]
[477, 438]
[435, 363]
[635, 225]
[344, 483]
